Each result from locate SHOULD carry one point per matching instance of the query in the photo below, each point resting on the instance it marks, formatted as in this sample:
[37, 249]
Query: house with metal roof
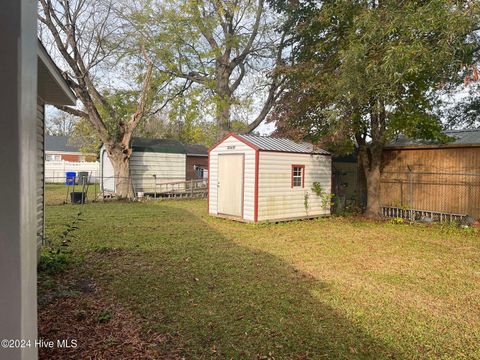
[257, 178]
[155, 162]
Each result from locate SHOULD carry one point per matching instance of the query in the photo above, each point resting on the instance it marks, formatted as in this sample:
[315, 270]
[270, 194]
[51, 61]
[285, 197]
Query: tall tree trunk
[373, 191]
[223, 116]
[371, 163]
[120, 159]
[224, 101]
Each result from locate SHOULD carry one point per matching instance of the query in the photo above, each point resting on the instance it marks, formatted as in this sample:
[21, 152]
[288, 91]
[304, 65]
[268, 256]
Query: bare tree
[86, 34]
[61, 124]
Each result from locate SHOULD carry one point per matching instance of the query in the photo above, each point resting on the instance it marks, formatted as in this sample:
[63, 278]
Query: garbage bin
[70, 178]
[78, 197]
[82, 177]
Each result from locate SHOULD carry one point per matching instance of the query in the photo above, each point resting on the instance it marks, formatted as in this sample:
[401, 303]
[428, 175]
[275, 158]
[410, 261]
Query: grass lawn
[56, 194]
[328, 288]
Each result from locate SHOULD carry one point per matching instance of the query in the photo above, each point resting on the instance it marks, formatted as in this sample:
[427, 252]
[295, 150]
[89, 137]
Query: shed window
[298, 175]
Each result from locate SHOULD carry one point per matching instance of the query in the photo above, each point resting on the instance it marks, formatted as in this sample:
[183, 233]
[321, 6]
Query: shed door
[230, 184]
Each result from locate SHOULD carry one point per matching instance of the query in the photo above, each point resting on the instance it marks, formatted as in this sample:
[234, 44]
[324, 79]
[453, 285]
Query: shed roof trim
[266, 143]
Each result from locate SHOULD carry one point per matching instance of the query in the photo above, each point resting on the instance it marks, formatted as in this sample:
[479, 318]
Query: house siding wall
[167, 168]
[40, 174]
[233, 146]
[72, 158]
[277, 199]
[143, 165]
[194, 161]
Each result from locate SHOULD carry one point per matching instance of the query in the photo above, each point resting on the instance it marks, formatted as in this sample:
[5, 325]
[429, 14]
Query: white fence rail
[55, 170]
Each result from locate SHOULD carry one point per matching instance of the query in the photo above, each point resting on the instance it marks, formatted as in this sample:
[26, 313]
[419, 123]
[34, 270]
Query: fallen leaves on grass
[102, 328]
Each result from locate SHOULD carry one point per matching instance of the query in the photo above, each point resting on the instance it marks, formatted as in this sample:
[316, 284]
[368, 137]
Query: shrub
[56, 256]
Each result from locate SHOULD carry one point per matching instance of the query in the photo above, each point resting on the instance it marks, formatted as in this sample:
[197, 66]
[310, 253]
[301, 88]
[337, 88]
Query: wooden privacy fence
[433, 194]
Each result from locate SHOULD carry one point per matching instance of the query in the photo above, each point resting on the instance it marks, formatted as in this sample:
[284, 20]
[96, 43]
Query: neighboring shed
[433, 176]
[255, 178]
[153, 162]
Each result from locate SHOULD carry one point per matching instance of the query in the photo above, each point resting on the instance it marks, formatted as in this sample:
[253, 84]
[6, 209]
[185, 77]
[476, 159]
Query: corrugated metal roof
[459, 137]
[282, 145]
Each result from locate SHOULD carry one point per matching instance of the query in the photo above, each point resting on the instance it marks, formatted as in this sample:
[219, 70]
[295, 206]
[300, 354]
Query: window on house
[51, 157]
[298, 175]
[200, 171]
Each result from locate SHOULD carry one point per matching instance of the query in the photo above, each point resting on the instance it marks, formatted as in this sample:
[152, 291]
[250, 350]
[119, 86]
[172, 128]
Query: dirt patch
[94, 325]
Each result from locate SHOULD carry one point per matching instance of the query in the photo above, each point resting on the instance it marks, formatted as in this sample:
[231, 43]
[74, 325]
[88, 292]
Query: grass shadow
[219, 299]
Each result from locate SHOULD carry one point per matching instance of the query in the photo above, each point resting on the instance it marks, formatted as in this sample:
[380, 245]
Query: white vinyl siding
[277, 199]
[40, 174]
[233, 146]
[143, 165]
[167, 168]
[106, 172]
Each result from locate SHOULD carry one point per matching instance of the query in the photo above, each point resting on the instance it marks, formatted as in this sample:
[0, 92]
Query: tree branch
[239, 78]
[72, 111]
[275, 88]
[184, 88]
[135, 117]
[207, 34]
[253, 35]
[272, 97]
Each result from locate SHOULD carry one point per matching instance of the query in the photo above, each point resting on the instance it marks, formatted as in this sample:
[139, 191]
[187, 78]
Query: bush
[56, 257]
[398, 220]
[52, 262]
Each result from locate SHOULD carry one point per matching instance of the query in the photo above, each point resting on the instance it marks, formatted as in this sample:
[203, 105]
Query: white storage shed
[256, 178]
[154, 162]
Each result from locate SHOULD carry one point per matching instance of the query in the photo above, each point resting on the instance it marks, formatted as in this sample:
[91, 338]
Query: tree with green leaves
[218, 46]
[365, 71]
[109, 68]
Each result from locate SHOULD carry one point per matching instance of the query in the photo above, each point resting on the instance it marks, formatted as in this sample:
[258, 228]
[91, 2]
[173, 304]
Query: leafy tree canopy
[361, 64]
[364, 71]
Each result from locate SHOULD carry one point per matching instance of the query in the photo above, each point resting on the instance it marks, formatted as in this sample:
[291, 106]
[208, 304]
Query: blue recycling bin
[70, 178]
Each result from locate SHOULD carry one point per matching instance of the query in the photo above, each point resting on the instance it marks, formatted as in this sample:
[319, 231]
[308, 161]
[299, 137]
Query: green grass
[56, 194]
[328, 288]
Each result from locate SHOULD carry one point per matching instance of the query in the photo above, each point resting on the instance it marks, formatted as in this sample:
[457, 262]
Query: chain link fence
[92, 187]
